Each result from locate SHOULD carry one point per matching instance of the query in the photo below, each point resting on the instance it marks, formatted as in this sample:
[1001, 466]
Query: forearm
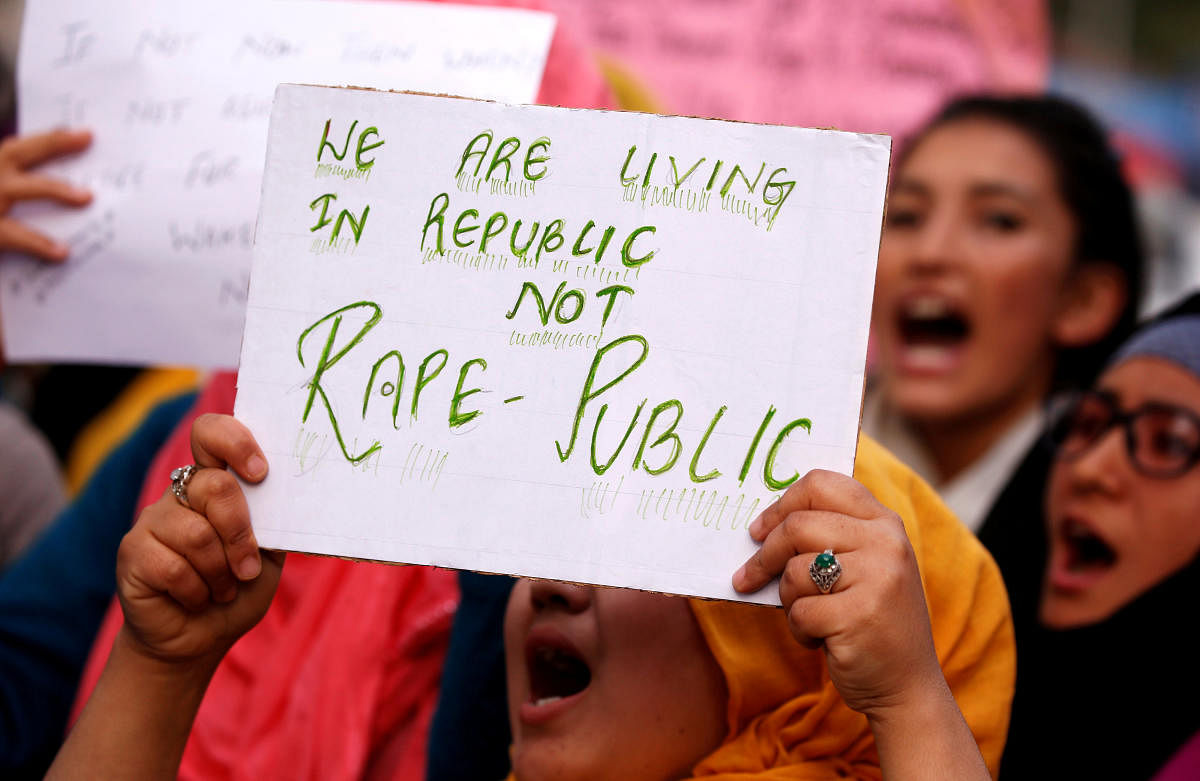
[928, 739]
[137, 721]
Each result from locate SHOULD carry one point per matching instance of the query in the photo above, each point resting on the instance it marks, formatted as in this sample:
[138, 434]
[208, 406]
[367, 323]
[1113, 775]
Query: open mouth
[932, 322]
[555, 672]
[1086, 552]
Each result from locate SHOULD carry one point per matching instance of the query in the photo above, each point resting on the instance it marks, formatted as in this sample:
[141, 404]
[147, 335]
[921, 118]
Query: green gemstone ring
[825, 570]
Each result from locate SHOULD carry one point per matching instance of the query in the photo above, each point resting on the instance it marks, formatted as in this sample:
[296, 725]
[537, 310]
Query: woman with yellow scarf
[893, 656]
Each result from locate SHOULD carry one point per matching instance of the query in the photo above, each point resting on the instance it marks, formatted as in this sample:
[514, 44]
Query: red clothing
[340, 678]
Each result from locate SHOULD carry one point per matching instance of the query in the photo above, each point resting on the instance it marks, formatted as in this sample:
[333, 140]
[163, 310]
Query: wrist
[129, 652]
[924, 701]
[924, 736]
[137, 720]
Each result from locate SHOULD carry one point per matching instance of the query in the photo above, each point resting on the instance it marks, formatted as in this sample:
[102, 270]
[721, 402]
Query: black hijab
[1112, 700]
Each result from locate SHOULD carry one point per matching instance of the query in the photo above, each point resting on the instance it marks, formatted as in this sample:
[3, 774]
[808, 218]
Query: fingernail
[256, 466]
[739, 577]
[755, 525]
[60, 251]
[249, 568]
[79, 193]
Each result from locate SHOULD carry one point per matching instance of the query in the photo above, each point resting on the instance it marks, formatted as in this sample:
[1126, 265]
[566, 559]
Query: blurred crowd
[1021, 535]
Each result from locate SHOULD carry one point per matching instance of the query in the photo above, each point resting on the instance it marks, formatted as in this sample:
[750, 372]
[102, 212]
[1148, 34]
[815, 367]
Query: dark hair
[1090, 180]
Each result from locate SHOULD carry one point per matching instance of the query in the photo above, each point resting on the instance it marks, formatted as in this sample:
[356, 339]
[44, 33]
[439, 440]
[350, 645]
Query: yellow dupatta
[786, 719]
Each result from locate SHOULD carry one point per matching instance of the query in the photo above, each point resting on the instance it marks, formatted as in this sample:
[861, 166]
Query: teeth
[928, 357]
[927, 308]
[545, 701]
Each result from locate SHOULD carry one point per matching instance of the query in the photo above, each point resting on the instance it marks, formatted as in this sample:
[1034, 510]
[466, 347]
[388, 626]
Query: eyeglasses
[1162, 440]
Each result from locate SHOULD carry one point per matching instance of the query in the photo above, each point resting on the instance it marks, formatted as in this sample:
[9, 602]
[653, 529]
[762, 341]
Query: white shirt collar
[973, 492]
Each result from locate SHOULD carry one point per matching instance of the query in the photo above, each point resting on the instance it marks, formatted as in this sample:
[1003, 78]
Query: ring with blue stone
[825, 570]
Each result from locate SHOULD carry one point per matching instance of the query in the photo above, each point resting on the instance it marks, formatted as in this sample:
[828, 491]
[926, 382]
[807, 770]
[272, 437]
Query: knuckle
[173, 570]
[893, 546]
[904, 555]
[890, 574]
[822, 481]
[223, 437]
[797, 614]
[794, 578]
[220, 488]
[794, 496]
[205, 428]
[890, 537]
[790, 526]
[893, 519]
[791, 495]
[789, 579]
[821, 478]
[825, 489]
[199, 534]
[127, 551]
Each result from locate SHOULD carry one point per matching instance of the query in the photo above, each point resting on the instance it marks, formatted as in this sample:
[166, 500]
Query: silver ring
[825, 570]
[179, 482]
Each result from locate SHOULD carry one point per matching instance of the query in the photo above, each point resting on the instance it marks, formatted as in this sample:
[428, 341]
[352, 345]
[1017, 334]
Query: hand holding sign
[20, 154]
[191, 579]
[179, 95]
[873, 623]
[576, 345]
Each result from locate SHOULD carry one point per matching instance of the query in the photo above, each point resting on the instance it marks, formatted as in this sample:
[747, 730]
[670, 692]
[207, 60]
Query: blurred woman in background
[1010, 267]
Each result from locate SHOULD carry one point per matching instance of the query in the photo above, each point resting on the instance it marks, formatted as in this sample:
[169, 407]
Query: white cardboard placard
[712, 279]
[179, 94]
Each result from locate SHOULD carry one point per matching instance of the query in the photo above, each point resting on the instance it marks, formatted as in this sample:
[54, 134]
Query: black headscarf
[1112, 700]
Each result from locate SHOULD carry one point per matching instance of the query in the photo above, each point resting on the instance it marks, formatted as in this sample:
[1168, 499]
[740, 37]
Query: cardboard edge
[592, 110]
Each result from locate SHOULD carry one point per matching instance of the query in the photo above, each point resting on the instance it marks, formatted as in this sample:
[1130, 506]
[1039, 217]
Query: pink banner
[862, 65]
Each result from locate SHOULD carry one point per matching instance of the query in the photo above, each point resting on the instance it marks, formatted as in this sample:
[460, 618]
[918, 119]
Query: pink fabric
[878, 66]
[340, 678]
[1185, 765]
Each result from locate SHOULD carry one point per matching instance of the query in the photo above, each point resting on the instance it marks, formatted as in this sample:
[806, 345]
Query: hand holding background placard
[568, 344]
[178, 95]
